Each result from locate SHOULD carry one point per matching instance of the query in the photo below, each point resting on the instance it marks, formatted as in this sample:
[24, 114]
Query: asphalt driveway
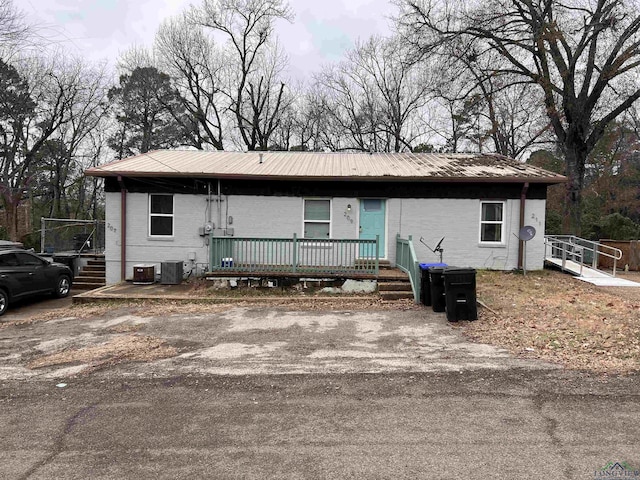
[177, 391]
[232, 340]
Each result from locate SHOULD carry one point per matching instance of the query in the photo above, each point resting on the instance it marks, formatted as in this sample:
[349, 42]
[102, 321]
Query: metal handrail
[574, 247]
[406, 260]
[87, 241]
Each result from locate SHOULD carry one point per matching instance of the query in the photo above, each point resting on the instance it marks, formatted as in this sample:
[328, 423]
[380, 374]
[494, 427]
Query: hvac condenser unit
[144, 274]
[171, 273]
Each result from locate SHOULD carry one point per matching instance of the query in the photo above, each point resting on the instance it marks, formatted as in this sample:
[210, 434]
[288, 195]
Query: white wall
[189, 214]
[458, 220]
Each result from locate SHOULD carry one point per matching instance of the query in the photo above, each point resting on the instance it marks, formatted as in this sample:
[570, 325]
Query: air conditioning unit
[171, 273]
[144, 274]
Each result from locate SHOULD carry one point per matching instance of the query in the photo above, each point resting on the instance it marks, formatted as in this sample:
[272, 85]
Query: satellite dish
[437, 249]
[527, 233]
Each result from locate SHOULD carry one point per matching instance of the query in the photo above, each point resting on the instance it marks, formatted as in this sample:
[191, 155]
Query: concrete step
[394, 287]
[87, 286]
[96, 262]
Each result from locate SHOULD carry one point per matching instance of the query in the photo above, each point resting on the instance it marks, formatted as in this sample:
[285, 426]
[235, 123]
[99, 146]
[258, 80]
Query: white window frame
[305, 221]
[171, 215]
[503, 223]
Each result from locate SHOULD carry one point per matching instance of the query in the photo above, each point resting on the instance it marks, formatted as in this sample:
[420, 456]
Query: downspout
[123, 230]
[219, 205]
[523, 200]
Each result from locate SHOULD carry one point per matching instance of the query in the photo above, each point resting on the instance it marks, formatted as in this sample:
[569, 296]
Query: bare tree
[305, 124]
[136, 56]
[255, 90]
[13, 28]
[266, 98]
[63, 158]
[195, 64]
[350, 101]
[375, 96]
[401, 85]
[42, 107]
[583, 56]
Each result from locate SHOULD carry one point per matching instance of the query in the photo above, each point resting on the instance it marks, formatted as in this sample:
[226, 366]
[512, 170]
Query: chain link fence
[67, 235]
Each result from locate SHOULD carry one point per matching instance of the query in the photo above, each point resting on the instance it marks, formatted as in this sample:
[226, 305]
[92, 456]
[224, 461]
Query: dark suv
[24, 274]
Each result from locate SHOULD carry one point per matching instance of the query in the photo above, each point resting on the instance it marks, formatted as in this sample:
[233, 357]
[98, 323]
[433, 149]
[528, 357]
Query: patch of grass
[120, 349]
[555, 317]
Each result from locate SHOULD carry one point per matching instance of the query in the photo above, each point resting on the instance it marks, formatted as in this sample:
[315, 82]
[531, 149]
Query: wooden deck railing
[294, 255]
[406, 261]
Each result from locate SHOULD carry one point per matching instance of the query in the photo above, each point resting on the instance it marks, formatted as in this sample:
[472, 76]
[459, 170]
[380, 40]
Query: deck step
[381, 263]
[86, 279]
[94, 268]
[394, 287]
[394, 295]
[91, 273]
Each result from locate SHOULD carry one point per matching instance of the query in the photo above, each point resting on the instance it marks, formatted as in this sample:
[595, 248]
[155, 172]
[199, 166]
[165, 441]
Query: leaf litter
[553, 316]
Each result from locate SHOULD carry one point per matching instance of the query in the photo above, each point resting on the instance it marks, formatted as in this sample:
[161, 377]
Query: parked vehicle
[9, 245]
[25, 274]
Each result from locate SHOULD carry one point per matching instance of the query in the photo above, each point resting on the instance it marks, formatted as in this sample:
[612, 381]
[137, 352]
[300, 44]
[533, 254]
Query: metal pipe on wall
[219, 205]
[523, 200]
[123, 229]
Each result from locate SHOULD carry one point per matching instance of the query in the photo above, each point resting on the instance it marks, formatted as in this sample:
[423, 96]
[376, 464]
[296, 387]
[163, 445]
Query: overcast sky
[100, 29]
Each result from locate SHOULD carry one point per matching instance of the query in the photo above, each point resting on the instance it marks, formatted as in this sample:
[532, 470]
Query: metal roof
[326, 166]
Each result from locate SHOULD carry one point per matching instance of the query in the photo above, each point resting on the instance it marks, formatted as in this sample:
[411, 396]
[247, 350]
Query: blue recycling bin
[425, 283]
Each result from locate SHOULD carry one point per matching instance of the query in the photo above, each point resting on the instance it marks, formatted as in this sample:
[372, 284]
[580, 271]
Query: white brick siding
[458, 220]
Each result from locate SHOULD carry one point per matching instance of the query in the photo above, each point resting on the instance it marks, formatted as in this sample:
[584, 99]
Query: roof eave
[223, 176]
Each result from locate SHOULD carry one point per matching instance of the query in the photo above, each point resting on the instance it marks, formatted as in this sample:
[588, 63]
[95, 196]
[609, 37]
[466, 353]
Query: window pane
[162, 226]
[8, 260]
[317, 210]
[492, 212]
[316, 230]
[372, 205]
[162, 204]
[26, 259]
[491, 232]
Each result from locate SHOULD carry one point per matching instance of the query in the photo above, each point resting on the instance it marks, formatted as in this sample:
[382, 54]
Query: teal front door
[372, 223]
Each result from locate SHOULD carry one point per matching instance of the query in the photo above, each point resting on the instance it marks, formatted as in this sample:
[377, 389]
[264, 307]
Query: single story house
[184, 205]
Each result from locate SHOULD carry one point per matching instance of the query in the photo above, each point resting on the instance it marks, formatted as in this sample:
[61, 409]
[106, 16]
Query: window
[372, 205]
[160, 215]
[492, 222]
[9, 260]
[29, 260]
[317, 218]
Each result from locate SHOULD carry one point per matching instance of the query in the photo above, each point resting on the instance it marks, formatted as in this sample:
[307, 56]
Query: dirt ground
[555, 317]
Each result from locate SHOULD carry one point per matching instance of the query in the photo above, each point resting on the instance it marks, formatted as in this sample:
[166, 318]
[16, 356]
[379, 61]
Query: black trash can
[460, 294]
[425, 282]
[437, 288]
[70, 260]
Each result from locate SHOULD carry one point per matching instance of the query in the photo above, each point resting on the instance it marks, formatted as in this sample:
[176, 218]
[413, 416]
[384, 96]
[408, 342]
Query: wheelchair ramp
[568, 254]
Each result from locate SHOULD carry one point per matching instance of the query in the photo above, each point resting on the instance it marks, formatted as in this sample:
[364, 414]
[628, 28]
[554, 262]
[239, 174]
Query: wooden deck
[384, 274]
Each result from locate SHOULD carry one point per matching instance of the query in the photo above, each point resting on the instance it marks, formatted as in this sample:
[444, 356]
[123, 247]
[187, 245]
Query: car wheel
[63, 286]
[4, 301]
